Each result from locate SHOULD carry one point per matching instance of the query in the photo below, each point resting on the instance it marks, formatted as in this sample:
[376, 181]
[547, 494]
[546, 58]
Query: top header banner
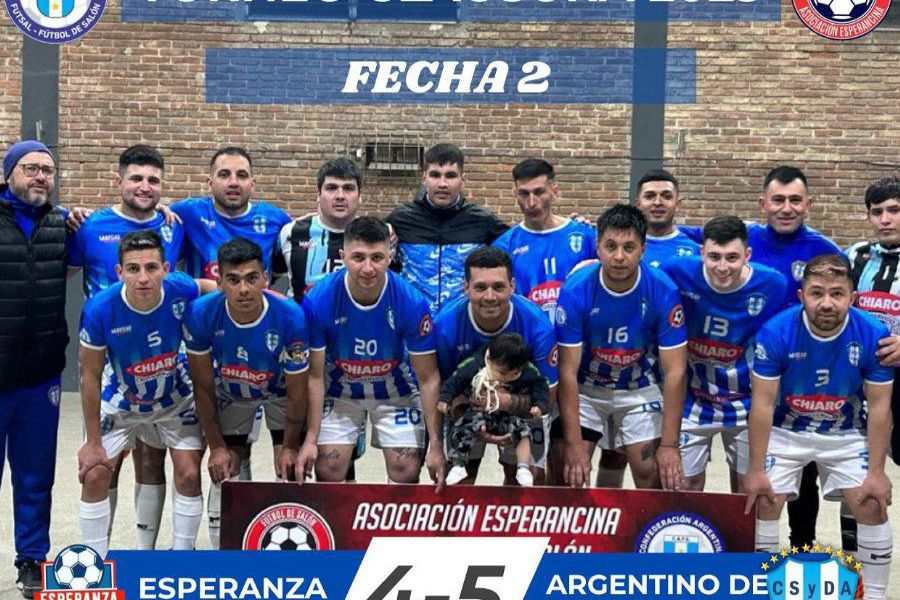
[450, 11]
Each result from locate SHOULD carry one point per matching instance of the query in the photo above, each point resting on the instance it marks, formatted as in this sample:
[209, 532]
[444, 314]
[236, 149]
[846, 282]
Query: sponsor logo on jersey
[242, 374]
[340, 320]
[367, 369]
[576, 242]
[755, 304]
[797, 355]
[110, 238]
[288, 526]
[297, 352]
[760, 352]
[186, 334]
[725, 397]
[718, 353]
[390, 318]
[211, 270]
[560, 315]
[210, 223]
[547, 292]
[620, 358]
[679, 533]
[121, 330]
[684, 251]
[272, 340]
[155, 367]
[84, 336]
[690, 294]
[816, 406]
[676, 316]
[879, 302]
[520, 250]
[553, 357]
[425, 325]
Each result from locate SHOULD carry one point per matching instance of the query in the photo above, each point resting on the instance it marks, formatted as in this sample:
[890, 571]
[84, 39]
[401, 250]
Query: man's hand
[76, 217]
[491, 438]
[878, 487]
[577, 465]
[285, 464]
[536, 412]
[306, 461]
[222, 465]
[171, 218]
[437, 465]
[90, 455]
[443, 407]
[889, 351]
[757, 484]
[668, 461]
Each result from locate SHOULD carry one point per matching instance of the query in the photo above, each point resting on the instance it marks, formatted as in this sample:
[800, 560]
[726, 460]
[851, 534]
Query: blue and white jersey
[95, 246]
[205, 229]
[876, 279]
[619, 332]
[788, 254]
[542, 259]
[145, 371]
[658, 250]
[366, 347]
[458, 337]
[721, 327]
[821, 379]
[249, 360]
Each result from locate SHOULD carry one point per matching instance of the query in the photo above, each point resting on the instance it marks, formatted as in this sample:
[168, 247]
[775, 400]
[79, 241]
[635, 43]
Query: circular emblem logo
[55, 21]
[841, 19]
[288, 526]
[78, 567]
[679, 533]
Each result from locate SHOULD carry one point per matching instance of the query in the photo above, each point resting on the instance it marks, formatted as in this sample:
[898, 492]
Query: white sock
[610, 478]
[767, 535]
[245, 474]
[113, 500]
[186, 514]
[149, 500]
[95, 517]
[214, 512]
[875, 545]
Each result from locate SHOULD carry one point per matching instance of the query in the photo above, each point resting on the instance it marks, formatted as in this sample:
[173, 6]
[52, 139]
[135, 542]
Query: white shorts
[624, 417]
[696, 446]
[540, 442]
[396, 423]
[243, 417]
[149, 434]
[177, 427]
[843, 460]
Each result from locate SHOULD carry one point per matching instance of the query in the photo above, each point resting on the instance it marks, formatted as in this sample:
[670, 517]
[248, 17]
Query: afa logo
[841, 19]
[808, 576]
[679, 533]
[288, 526]
[77, 569]
[55, 21]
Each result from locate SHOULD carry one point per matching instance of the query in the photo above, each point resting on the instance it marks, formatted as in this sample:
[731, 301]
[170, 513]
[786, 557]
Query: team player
[544, 247]
[246, 348]
[226, 213]
[370, 331]
[658, 198]
[819, 395]
[95, 248]
[134, 377]
[613, 321]
[488, 309]
[726, 300]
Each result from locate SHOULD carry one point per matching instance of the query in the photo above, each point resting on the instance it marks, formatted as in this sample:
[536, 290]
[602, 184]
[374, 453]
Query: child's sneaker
[457, 474]
[524, 477]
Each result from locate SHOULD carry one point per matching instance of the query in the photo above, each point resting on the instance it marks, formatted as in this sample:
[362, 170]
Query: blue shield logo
[812, 580]
[55, 8]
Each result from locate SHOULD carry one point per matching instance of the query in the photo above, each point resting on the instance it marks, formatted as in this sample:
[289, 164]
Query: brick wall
[767, 93]
[10, 83]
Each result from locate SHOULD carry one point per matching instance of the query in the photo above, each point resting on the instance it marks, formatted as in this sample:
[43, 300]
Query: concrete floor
[65, 528]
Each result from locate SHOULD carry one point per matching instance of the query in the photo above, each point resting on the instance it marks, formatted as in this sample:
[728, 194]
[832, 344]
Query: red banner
[329, 516]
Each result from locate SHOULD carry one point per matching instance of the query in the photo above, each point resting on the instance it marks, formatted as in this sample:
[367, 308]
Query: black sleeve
[460, 382]
[540, 391]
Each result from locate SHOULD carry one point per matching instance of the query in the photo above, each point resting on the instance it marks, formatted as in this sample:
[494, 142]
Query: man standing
[658, 198]
[33, 338]
[439, 228]
[819, 395]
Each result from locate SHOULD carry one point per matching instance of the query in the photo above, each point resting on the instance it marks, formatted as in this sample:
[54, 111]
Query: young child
[504, 362]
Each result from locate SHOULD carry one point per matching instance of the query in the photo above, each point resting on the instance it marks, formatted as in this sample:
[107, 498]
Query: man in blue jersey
[617, 324]
[785, 243]
[246, 348]
[820, 395]
[726, 301]
[94, 247]
[227, 212]
[544, 246]
[658, 198]
[369, 332]
[488, 309]
[134, 377]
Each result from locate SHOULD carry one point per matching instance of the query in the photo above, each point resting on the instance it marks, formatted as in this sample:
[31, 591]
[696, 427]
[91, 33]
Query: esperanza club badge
[55, 21]
[841, 19]
[288, 526]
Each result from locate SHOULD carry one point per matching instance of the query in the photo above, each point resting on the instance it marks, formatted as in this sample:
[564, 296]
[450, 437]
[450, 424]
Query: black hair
[784, 174]
[724, 229]
[883, 189]
[829, 265]
[488, 257]
[238, 251]
[509, 350]
[231, 151]
[623, 217]
[532, 168]
[370, 230]
[146, 239]
[658, 175]
[141, 155]
[444, 154]
[339, 168]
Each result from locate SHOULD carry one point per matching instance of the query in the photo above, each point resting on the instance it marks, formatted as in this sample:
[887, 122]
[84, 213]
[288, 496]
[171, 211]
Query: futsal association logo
[55, 21]
[841, 19]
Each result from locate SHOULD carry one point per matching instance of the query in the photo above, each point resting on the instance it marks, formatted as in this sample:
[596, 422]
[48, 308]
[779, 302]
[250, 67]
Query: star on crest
[765, 566]
[774, 559]
[795, 550]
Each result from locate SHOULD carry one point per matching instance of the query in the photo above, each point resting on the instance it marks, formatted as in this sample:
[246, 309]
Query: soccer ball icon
[842, 10]
[78, 568]
[288, 536]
